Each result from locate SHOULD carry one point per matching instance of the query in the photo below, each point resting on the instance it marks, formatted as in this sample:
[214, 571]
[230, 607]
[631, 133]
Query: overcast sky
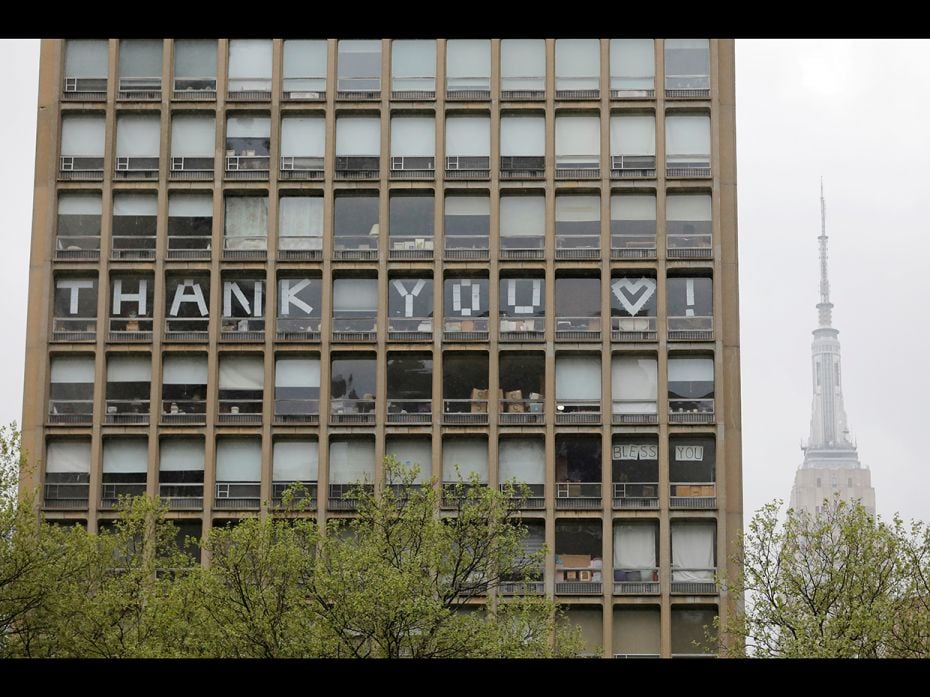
[853, 112]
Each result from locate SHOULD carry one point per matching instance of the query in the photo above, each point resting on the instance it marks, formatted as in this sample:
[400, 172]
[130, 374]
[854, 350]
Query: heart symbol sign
[633, 294]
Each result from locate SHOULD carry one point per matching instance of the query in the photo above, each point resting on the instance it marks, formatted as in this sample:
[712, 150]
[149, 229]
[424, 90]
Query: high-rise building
[831, 468]
[256, 262]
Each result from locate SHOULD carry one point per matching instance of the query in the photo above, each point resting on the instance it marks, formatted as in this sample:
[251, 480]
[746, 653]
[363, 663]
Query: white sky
[854, 112]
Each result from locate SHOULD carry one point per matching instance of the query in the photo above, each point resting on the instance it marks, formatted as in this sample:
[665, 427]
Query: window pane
[140, 58]
[523, 135]
[577, 64]
[632, 65]
[523, 64]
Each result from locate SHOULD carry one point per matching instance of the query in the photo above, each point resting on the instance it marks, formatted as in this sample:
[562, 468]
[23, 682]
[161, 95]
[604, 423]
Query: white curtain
[181, 455]
[135, 204]
[468, 205]
[190, 206]
[241, 373]
[470, 454]
[690, 369]
[693, 548]
[66, 369]
[358, 136]
[578, 135]
[523, 135]
[413, 451]
[633, 207]
[634, 379]
[523, 64]
[246, 216]
[140, 58]
[687, 135]
[79, 204]
[68, 456]
[297, 372]
[296, 460]
[523, 459]
[468, 136]
[468, 58]
[688, 207]
[413, 136]
[635, 546]
[248, 127]
[238, 460]
[352, 461]
[523, 216]
[304, 58]
[355, 294]
[125, 455]
[577, 58]
[82, 135]
[300, 216]
[412, 58]
[577, 377]
[250, 58]
[634, 61]
[195, 58]
[303, 136]
[633, 135]
[86, 58]
[185, 370]
[193, 135]
[129, 369]
[577, 209]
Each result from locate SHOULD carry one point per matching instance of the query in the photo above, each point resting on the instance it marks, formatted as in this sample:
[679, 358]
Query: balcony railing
[690, 328]
[303, 248]
[125, 412]
[237, 496]
[453, 493]
[522, 412]
[139, 88]
[687, 166]
[356, 247]
[636, 495]
[636, 581]
[694, 581]
[578, 412]
[112, 490]
[240, 412]
[580, 166]
[466, 248]
[633, 87]
[305, 88]
[468, 167]
[633, 328]
[254, 248]
[190, 412]
[578, 495]
[535, 499]
[189, 329]
[80, 168]
[297, 329]
[242, 329]
[247, 167]
[249, 89]
[522, 247]
[414, 88]
[68, 412]
[191, 168]
[465, 329]
[340, 498]
[694, 495]
[687, 86]
[130, 329]
[410, 329]
[182, 497]
[410, 248]
[86, 89]
[580, 247]
[464, 412]
[569, 87]
[195, 88]
[306, 167]
[304, 498]
[691, 411]
[523, 87]
[136, 168]
[409, 411]
[632, 166]
[355, 329]
[577, 328]
[523, 167]
[357, 167]
[296, 411]
[77, 248]
[632, 239]
[634, 412]
[468, 88]
[352, 412]
[521, 588]
[74, 329]
[358, 88]
[189, 247]
[66, 496]
[413, 167]
[636, 655]
[522, 329]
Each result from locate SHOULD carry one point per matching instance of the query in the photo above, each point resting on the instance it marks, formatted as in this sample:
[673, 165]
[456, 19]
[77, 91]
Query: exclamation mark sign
[689, 297]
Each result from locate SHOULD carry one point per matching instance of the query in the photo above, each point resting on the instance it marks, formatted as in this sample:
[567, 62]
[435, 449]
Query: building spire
[824, 307]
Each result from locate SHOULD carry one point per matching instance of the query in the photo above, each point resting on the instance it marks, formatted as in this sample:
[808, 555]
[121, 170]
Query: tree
[840, 584]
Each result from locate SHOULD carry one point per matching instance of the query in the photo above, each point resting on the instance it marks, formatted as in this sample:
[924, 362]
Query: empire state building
[831, 466]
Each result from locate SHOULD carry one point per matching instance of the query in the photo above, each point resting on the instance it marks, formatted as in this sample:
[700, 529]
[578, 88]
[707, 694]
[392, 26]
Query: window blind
[193, 136]
[523, 459]
[413, 136]
[241, 373]
[190, 206]
[577, 377]
[523, 64]
[300, 216]
[352, 460]
[523, 135]
[577, 209]
[297, 372]
[125, 455]
[140, 58]
[86, 58]
[632, 64]
[238, 460]
[688, 207]
[250, 58]
[129, 369]
[185, 370]
[577, 135]
[195, 58]
[635, 379]
[79, 204]
[687, 135]
[577, 64]
[471, 455]
[413, 451]
[181, 455]
[68, 456]
[135, 204]
[67, 369]
[523, 216]
[633, 135]
[246, 216]
[358, 136]
[302, 136]
[82, 135]
[633, 207]
[296, 460]
[468, 136]
[248, 127]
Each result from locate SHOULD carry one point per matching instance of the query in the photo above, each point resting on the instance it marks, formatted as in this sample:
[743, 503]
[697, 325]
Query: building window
[135, 218]
[180, 473]
[195, 68]
[190, 225]
[71, 390]
[138, 140]
[187, 305]
[410, 309]
[636, 554]
[468, 69]
[465, 388]
[523, 461]
[522, 308]
[577, 147]
[250, 69]
[523, 147]
[297, 390]
[633, 308]
[465, 309]
[468, 147]
[299, 303]
[82, 147]
[579, 557]
[359, 70]
[78, 228]
[67, 474]
[129, 381]
[522, 379]
[577, 471]
[687, 68]
[125, 467]
[464, 456]
[184, 388]
[75, 308]
[86, 69]
[140, 68]
[578, 389]
[413, 69]
[688, 226]
[687, 145]
[355, 308]
[304, 69]
[238, 473]
[131, 304]
[248, 146]
[302, 147]
[577, 226]
[353, 389]
[356, 226]
[409, 389]
[467, 224]
[300, 228]
[523, 227]
[413, 147]
[692, 472]
[632, 68]
[632, 145]
[633, 226]
[636, 631]
[577, 308]
[410, 226]
[295, 462]
[243, 309]
[245, 234]
[634, 389]
[693, 631]
[690, 308]
[694, 558]
[635, 472]
[691, 389]
[351, 465]
[577, 68]
[241, 387]
[523, 68]
[358, 147]
[411, 453]
[193, 143]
